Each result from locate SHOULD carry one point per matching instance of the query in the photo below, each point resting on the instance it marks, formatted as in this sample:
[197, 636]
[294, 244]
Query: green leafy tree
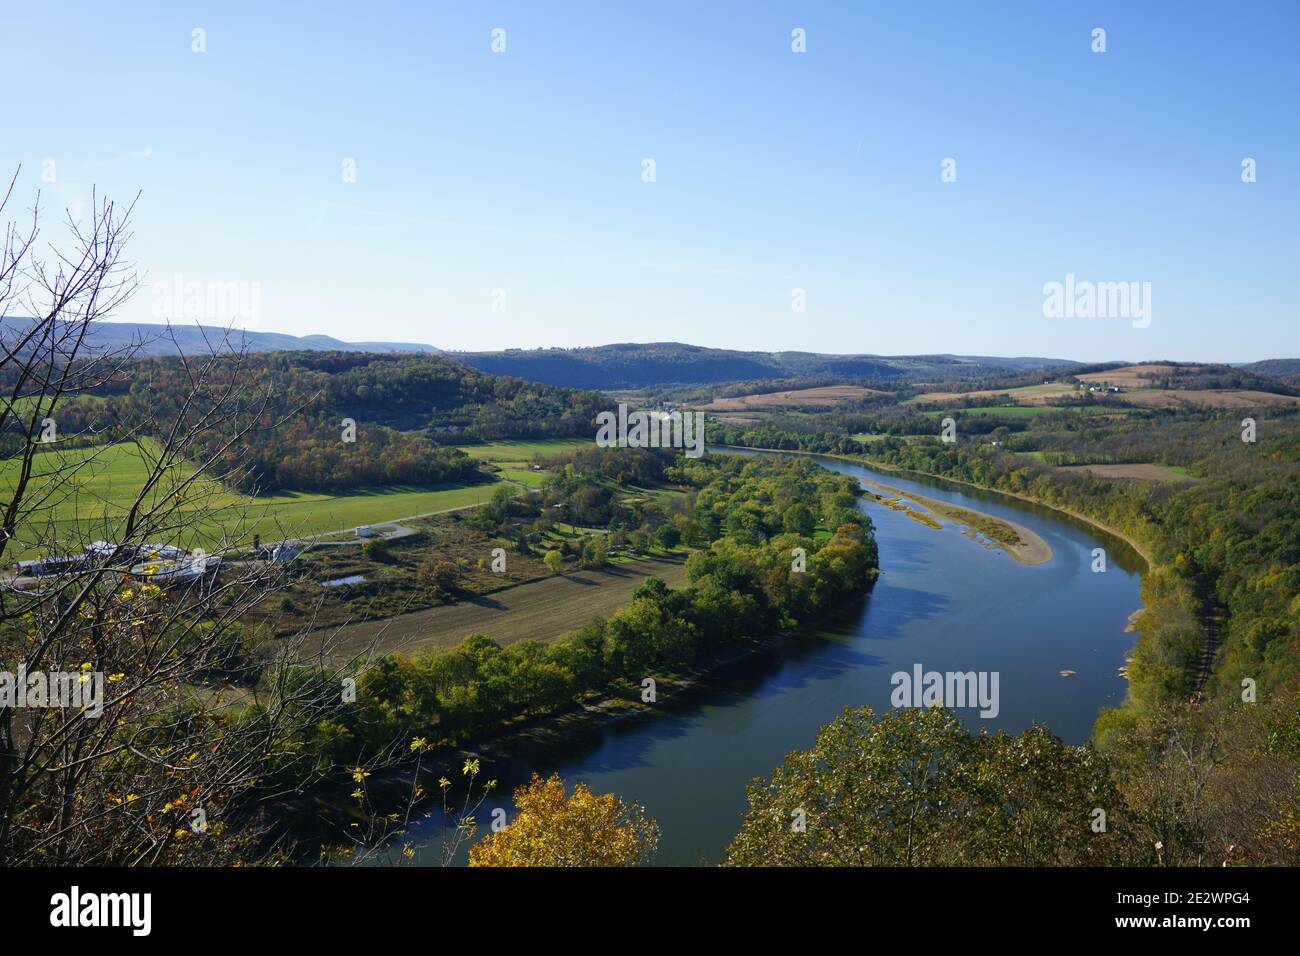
[799, 519]
[912, 787]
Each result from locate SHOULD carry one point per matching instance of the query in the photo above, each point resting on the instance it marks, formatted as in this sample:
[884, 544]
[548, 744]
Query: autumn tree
[439, 575]
[581, 829]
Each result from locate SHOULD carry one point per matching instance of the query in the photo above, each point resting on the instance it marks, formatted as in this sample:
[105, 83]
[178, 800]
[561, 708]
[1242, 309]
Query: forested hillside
[145, 338]
[405, 408]
[631, 365]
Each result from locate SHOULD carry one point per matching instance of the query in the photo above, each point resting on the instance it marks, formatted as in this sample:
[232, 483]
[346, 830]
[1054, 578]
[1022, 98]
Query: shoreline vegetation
[883, 466]
[512, 749]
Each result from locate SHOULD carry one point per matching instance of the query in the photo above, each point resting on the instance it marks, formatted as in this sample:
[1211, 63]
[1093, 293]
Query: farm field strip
[538, 610]
[1213, 398]
[1029, 394]
[819, 397]
[1028, 411]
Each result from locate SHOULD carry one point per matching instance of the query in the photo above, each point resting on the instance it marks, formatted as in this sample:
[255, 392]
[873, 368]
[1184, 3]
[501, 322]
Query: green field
[515, 458]
[871, 439]
[23, 406]
[108, 479]
[522, 452]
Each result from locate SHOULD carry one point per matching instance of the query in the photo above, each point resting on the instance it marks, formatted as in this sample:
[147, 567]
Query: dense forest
[1207, 786]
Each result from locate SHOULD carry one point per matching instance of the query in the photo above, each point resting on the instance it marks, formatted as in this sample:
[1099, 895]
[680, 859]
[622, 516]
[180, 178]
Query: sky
[798, 199]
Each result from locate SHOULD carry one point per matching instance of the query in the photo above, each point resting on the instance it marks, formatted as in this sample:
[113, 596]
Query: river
[942, 601]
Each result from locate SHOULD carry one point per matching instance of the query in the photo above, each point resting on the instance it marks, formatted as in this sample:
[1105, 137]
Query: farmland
[1027, 395]
[1205, 397]
[1027, 411]
[1136, 376]
[821, 397]
[109, 477]
[539, 610]
[515, 458]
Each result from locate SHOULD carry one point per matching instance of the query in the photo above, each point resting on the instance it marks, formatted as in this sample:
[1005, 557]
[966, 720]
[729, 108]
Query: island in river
[1018, 541]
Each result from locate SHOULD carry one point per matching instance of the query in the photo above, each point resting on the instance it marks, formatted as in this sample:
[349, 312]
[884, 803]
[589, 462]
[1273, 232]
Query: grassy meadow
[108, 478]
[515, 458]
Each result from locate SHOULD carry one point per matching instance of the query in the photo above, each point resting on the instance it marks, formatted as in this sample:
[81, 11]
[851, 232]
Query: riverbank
[510, 754]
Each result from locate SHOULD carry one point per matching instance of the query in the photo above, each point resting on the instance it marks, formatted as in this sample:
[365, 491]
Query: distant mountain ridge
[151, 340]
[631, 365]
[625, 365]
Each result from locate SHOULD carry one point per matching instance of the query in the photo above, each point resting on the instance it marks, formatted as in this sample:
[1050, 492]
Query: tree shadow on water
[891, 608]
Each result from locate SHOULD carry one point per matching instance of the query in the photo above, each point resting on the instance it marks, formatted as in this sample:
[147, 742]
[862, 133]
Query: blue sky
[522, 171]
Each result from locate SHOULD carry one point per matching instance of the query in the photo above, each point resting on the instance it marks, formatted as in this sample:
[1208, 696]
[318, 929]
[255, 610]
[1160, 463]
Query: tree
[595, 553]
[377, 549]
[912, 788]
[584, 829]
[667, 536]
[130, 763]
[799, 519]
[554, 561]
[492, 515]
[440, 575]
